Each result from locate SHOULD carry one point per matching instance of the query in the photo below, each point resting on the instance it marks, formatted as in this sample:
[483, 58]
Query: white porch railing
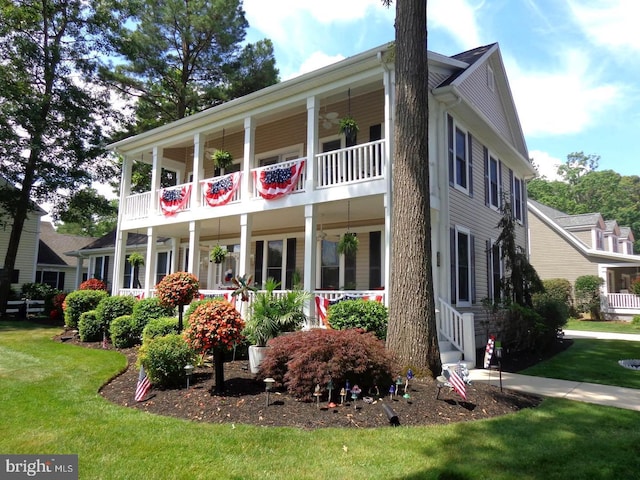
[623, 301]
[458, 328]
[353, 164]
[137, 206]
[302, 178]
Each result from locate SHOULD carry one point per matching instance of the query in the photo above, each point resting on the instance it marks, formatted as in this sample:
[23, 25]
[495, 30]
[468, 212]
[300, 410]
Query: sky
[573, 65]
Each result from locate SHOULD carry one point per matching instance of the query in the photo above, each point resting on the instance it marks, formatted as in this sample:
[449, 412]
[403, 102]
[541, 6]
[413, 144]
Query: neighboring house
[570, 246]
[99, 254]
[56, 267]
[296, 185]
[25, 266]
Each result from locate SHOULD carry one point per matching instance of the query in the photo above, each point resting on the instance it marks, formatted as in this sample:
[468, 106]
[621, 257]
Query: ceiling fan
[329, 119]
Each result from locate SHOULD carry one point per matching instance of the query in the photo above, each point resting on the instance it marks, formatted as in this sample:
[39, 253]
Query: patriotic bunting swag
[489, 351]
[221, 191]
[277, 182]
[323, 304]
[174, 200]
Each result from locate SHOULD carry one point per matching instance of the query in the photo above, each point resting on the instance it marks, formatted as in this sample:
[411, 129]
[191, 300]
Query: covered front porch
[618, 300]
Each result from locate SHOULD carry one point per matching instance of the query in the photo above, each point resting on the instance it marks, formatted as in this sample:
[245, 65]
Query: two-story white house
[296, 185]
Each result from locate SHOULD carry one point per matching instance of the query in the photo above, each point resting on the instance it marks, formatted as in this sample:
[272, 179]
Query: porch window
[278, 156]
[274, 260]
[101, 268]
[329, 266]
[163, 264]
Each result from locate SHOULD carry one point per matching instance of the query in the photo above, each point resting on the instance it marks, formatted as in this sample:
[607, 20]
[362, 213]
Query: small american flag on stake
[457, 383]
[143, 386]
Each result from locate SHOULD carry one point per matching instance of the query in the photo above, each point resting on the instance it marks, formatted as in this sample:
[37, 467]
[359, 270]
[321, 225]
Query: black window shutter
[489, 264]
[472, 257]
[500, 189]
[511, 195]
[452, 259]
[258, 264]
[470, 153]
[450, 141]
[485, 153]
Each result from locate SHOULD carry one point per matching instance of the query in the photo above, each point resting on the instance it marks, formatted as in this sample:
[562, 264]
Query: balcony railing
[346, 166]
[353, 164]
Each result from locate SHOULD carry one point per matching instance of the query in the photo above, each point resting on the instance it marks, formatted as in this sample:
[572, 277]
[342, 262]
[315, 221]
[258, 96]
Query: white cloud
[458, 18]
[563, 100]
[546, 165]
[315, 61]
[612, 24]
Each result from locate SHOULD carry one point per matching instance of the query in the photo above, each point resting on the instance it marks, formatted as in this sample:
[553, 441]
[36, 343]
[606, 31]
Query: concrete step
[450, 356]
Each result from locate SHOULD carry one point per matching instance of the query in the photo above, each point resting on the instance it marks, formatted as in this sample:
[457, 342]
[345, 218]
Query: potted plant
[348, 244]
[222, 158]
[271, 315]
[217, 254]
[349, 127]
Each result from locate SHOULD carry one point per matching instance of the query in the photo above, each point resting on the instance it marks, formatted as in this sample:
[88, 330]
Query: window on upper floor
[517, 189]
[493, 180]
[462, 267]
[599, 239]
[460, 164]
[614, 244]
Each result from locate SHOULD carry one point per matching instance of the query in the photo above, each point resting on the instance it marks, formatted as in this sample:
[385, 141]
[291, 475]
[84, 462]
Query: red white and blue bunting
[220, 191]
[172, 200]
[276, 182]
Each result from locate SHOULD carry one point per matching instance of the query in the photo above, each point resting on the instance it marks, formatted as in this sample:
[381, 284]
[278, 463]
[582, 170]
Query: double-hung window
[459, 164]
[518, 199]
[462, 266]
[493, 178]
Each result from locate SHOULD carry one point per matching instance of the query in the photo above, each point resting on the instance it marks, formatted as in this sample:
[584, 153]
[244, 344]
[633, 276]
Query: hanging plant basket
[136, 259]
[222, 158]
[348, 244]
[217, 254]
[350, 128]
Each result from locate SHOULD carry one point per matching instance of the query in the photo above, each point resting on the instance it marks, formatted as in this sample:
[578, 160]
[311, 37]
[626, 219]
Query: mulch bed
[244, 400]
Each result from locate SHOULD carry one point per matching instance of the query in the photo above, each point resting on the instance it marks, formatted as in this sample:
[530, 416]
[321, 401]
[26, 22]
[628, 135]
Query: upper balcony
[353, 171]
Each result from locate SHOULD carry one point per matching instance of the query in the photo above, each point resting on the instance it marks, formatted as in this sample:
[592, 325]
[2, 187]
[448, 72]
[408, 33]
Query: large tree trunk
[412, 333]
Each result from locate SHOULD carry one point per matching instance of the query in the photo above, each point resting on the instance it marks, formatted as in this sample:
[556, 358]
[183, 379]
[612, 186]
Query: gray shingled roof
[109, 241]
[53, 246]
[470, 57]
[565, 220]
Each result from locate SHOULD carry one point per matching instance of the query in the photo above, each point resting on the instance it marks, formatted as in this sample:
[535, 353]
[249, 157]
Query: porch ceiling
[331, 215]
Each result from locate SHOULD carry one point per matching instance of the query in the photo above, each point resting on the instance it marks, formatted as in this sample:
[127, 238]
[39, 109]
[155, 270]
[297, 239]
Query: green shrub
[587, 290]
[79, 302]
[522, 328]
[159, 327]
[369, 315]
[111, 308]
[301, 360]
[123, 332]
[635, 320]
[554, 314]
[148, 309]
[89, 327]
[38, 291]
[164, 359]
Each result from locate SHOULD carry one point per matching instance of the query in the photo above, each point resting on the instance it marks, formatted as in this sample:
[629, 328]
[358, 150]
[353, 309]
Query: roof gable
[54, 245]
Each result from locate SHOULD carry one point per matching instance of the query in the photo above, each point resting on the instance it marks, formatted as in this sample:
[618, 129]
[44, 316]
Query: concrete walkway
[628, 398]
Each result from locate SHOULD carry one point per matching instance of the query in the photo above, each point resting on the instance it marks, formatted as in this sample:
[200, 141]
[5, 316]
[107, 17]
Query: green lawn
[593, 326]
[49, 404]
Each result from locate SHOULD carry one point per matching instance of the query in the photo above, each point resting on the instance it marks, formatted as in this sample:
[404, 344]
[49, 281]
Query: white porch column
[156, 171]
[247, 159]
[310, 252]
[121, 237]
[119, 259]
[198, 170]
[150, 261]
[79, 268]
[312, 143]
[194, 248]
[245, 244]
[175, 250]
[389, 122]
